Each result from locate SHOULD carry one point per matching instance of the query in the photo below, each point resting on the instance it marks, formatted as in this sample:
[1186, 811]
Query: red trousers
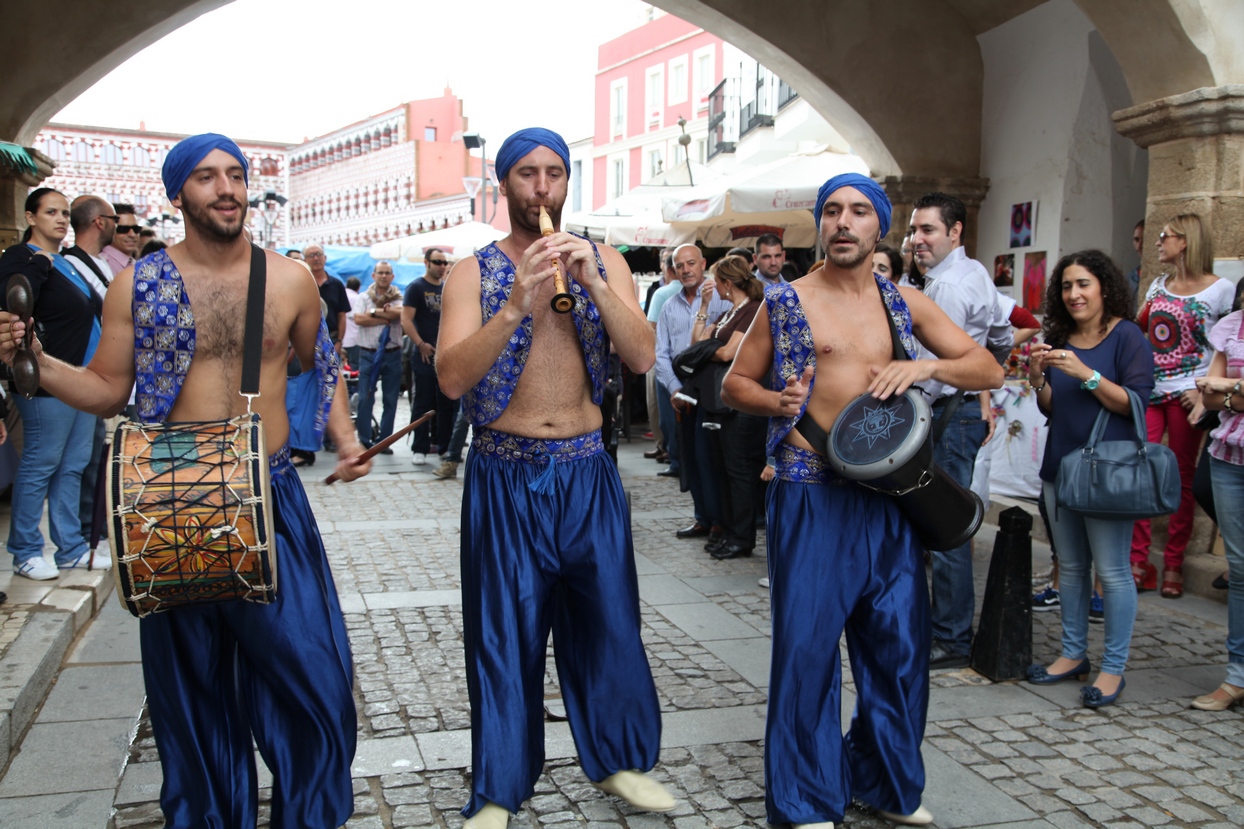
[1185, 441]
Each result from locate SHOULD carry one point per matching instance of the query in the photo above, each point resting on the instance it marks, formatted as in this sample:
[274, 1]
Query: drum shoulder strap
[252, 343]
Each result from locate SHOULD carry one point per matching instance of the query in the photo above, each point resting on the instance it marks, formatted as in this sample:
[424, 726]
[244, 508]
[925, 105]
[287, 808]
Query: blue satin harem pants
[842, 557]
[219, 673]
[547, 545]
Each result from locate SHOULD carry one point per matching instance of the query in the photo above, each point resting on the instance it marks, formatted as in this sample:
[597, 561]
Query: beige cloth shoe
[491, 816]
[448, 469]
[829, 824]
[639, 790]
[1230, 696]
[920, 817]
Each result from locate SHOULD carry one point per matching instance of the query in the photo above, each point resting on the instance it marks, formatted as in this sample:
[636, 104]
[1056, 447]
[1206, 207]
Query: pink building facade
[646, 80]
[394, 174]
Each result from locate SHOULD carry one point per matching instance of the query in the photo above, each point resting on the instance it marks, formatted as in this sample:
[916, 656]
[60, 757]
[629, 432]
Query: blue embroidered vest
[489, 398]
[794, 350]
[164, 338]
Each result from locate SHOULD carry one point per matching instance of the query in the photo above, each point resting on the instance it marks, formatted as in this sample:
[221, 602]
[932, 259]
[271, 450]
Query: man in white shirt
[962, 288]
[94, 225]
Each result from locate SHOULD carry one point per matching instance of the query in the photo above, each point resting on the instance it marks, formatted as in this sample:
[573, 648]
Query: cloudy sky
[285, 70]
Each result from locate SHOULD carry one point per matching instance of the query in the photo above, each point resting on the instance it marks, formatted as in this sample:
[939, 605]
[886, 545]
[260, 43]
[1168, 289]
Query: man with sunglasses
[421, 321]
[121, 252]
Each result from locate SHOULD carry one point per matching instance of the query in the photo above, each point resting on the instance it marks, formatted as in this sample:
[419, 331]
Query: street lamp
[475, 141]
[269, 204]
[685, 141]
[472, 184]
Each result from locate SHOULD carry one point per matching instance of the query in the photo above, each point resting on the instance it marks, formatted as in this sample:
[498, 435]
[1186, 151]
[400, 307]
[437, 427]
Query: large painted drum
[190, 514]
[886, 445]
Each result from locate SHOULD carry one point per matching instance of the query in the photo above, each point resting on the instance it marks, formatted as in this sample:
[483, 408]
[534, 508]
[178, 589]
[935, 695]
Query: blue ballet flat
[1038, 675]
[1092, 697]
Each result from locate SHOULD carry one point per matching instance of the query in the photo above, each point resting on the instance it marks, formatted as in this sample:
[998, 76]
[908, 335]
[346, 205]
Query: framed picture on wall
[1004, 270]
[1034, 281]
[1023, 224]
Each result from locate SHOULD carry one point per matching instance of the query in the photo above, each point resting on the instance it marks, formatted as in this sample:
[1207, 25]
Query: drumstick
[563, 300]
[376, 448]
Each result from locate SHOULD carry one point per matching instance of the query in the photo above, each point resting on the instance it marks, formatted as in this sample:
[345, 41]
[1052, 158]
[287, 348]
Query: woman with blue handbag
[1092, 357]
[1223, 390]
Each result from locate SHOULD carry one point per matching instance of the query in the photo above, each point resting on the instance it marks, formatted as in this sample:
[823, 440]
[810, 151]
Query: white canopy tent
[457, 241]
[615, 223]
[777, 197]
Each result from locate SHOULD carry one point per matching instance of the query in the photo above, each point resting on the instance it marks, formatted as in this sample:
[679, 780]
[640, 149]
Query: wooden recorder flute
[386, 443]
[563, 300]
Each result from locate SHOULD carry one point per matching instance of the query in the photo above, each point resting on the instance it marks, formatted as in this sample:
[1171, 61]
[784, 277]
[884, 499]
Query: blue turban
[870, 188]
[523, 142]
[186, 155]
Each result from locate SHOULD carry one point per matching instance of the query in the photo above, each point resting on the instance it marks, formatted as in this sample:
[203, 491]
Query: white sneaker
[37, 568]
[419, 459]
[764, 582]
[102, 561]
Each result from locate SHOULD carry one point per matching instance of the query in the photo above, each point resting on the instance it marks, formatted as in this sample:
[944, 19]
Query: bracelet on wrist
[701, 317]
[1034, 386]
[1230, 393]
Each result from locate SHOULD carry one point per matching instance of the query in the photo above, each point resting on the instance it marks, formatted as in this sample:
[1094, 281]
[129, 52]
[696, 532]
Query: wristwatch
[1093, 382]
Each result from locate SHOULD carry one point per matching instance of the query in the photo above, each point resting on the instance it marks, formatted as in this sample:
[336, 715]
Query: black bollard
[1003, 646]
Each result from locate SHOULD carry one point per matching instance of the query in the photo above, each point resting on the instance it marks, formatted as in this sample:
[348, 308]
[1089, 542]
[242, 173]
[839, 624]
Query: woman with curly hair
[1092, 356]
[1180, 309]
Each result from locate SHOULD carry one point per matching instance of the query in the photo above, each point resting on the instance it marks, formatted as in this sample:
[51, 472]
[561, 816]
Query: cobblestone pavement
[997, 754]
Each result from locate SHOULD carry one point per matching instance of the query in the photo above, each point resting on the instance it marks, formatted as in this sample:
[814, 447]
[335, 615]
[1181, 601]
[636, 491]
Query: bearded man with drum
[216, 674]
[546, 540]
[843, 557]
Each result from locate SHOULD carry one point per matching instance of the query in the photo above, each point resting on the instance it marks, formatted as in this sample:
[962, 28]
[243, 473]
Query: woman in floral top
[1223, 389]
[1180, 309]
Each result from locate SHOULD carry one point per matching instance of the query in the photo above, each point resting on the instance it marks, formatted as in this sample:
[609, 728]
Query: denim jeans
[954, 595]
[1083, 544]
[669, 425]
[390, 377]
[1228, 481]
[57, 448]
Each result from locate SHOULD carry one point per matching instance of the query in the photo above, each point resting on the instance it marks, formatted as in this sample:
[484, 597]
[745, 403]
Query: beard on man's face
[848, 260]
[205, 221]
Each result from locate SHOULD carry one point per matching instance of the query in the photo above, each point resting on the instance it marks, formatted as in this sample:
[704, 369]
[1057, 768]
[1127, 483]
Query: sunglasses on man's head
[438, 262]
[128, 229]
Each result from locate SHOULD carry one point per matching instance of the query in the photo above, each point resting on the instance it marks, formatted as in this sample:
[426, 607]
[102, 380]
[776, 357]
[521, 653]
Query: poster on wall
[1023, 224]
[1034, 281]
[1004, 270]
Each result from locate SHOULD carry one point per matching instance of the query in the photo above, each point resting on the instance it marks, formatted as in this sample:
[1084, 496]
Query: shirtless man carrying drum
[218, 673]
[842, 556]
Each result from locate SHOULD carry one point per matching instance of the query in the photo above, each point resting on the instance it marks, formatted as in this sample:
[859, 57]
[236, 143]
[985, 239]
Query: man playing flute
[842, 556]
[546, 539]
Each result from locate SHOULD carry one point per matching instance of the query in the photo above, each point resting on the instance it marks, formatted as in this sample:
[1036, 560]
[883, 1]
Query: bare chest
[220, 321]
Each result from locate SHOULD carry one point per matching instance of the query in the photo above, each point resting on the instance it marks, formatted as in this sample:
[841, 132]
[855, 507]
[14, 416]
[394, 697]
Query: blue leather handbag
[1119, 479]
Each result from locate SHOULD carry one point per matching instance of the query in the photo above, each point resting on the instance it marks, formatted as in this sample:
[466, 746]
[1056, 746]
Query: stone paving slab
[62, 757]
[28, 670]
[95, 692]
[57, 811]
[113, 638]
